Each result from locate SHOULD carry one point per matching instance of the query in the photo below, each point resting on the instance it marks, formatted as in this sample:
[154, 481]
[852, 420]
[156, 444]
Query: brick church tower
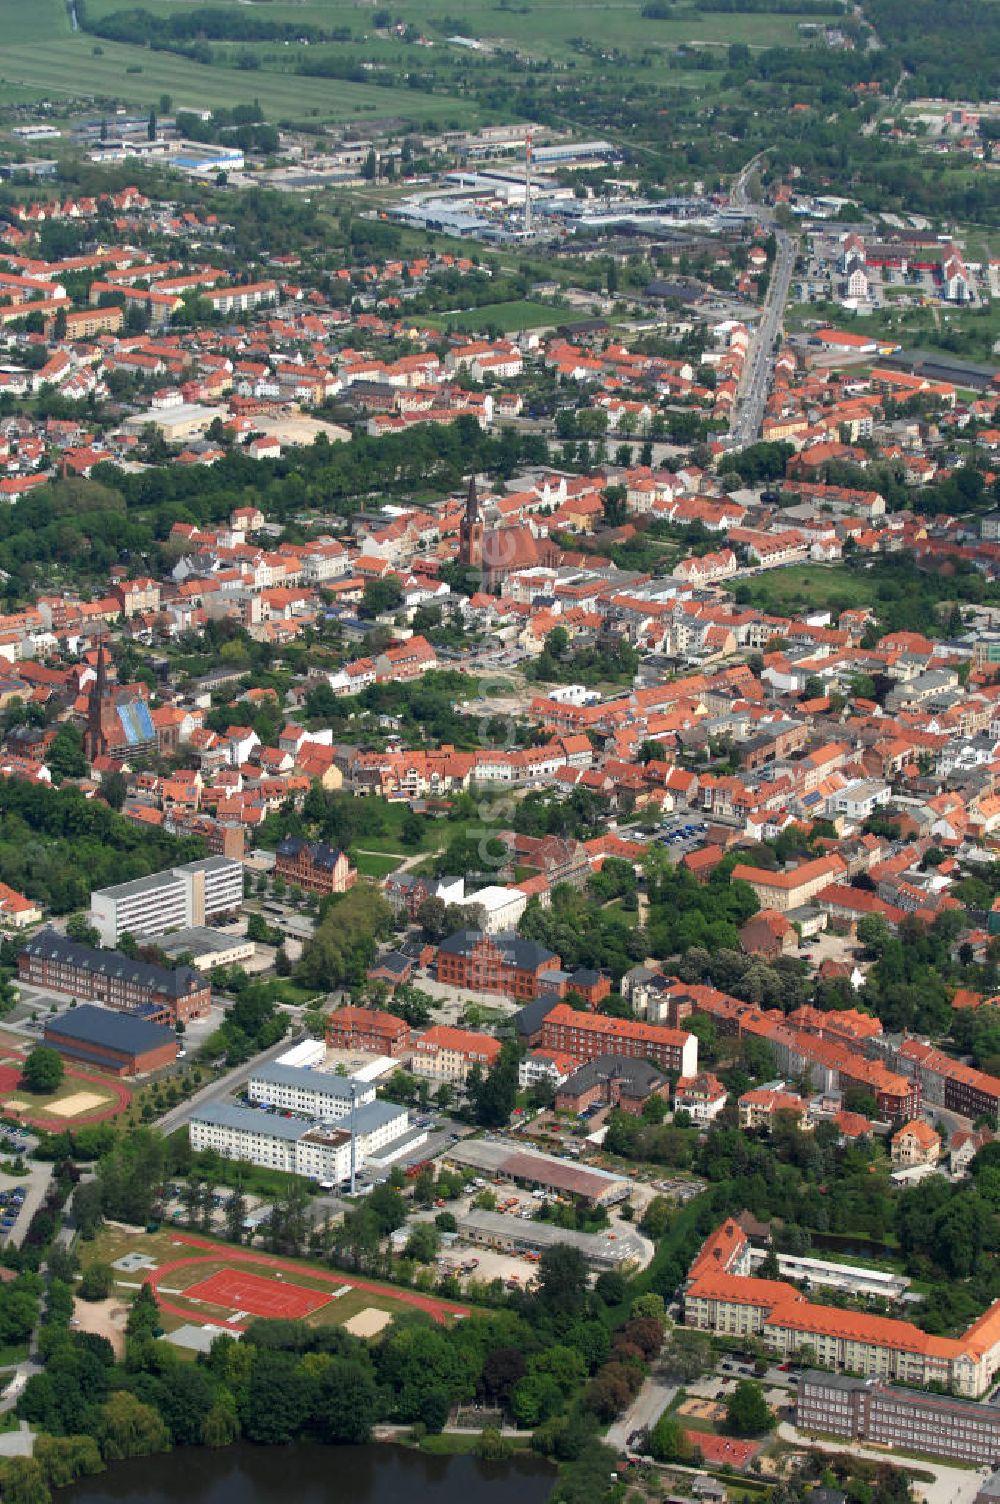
[470, 536]
[103, 730]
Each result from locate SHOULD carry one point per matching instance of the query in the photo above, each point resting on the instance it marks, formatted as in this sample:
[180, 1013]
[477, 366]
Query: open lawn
[37, 22]
[507, 317]
[373, 864]
[820, 585]
[964, 333]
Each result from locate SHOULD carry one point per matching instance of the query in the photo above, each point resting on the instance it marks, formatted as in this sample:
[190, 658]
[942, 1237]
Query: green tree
[562, 1280]
[64, 1459]
[96, 1282]
[536, 1398]
[668, 1442]
[747, 1412]
[381, 596]
[79, 928]
[144, 1314]
[493, 1096]
[65, 757]
[346, 1404]
[22, 1481]
[43, 1070]
[423, 1243]
[221, 1426]
[236, 1211]
[129, 1428]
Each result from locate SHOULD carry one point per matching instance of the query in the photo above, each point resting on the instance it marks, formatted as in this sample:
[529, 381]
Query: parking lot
[677, 834]
[20, 1198]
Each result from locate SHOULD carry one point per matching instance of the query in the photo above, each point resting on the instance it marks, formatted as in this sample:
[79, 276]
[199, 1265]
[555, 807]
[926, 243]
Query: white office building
[312, 1094]
[319, 1151]
[177, 898]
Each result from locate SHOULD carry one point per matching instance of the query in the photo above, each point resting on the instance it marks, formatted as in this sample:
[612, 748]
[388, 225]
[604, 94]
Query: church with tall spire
[102, 721]
[470, 533]
[118, 722]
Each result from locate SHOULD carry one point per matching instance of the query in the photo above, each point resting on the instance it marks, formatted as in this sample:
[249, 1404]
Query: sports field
[197, 1279]
[85, 1096]
[239, 1290]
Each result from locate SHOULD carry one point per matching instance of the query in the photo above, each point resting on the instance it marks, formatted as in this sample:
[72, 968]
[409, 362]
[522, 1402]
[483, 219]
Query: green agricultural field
[818, 585]
[544, 28]
[38, 21]
[67, 67]
[564, 32]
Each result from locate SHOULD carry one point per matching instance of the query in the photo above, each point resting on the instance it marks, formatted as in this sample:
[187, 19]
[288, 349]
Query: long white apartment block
[320, 1151]
[314, 1094]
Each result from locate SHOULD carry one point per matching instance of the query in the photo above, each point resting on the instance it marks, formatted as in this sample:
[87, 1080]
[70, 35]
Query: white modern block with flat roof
[176, 898]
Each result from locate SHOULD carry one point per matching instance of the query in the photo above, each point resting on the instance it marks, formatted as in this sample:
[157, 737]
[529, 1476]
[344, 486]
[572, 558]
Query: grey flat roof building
[110, 1030]
[306, 1080]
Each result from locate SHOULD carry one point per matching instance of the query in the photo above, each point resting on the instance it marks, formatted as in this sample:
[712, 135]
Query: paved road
[645, 1410]
[951, 1485]
[758, 371]
[755, 382]
[225, 1085]
[19, 1443]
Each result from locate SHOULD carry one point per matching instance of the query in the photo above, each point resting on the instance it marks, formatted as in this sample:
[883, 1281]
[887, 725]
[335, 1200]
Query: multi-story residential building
[795, 886]
[309, 1093]
[158, 993]
[830, 1063]
[951, 1083]
[313, 866]
[368, 1029]
[720, 1296]
[611, 1081]
[588, 1035]
[242, 298]
[448, 1055]
[544, 1067]
[702, 1097]
[759, 1107]
[503, 964]
[866, 1410]
[177, 898]
[915, 1143]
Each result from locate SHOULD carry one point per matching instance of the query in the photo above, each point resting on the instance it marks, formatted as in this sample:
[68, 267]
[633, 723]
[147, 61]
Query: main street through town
[758, 371]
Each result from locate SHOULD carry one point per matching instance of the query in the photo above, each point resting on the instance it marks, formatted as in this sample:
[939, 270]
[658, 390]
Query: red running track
[222, 1253]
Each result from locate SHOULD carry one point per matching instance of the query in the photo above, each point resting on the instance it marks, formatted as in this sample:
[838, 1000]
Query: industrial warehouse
[529, 1168]
[602, 1250]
